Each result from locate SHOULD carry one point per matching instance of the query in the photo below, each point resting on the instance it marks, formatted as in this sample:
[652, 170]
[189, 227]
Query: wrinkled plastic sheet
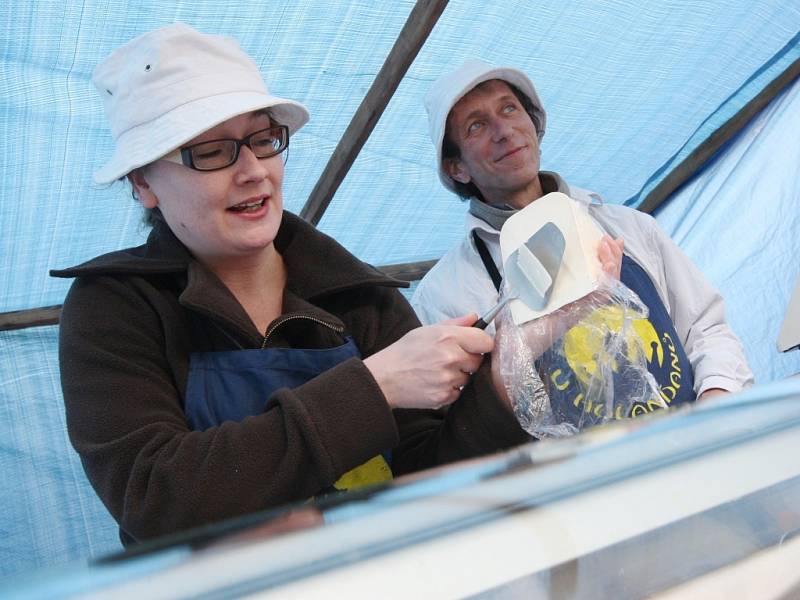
[594, 337]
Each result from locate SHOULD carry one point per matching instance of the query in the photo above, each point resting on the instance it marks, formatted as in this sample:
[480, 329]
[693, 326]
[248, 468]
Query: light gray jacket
[459, 284]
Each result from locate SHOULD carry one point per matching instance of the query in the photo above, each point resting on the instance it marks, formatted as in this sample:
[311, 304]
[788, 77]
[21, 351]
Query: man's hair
[451, 151]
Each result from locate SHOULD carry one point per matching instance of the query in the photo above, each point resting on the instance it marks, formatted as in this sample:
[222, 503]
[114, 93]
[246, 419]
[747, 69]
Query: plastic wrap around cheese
[579, 270]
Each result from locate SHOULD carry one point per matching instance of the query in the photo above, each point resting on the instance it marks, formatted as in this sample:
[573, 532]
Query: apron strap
[491, 268]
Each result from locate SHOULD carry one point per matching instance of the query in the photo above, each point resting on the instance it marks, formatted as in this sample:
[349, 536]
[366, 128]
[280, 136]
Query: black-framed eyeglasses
[218, 154]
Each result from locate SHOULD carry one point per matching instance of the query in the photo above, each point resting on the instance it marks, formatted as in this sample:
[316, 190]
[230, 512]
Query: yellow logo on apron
[375, 470]
[584, 344]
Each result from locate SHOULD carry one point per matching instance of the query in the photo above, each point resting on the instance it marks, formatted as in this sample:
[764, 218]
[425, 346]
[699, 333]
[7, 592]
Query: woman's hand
[428, 366]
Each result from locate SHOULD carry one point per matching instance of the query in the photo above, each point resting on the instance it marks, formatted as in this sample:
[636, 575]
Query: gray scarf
[496, 214]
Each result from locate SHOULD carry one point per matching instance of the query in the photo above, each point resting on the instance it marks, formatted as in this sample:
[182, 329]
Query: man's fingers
[604, 251]
[609, 254]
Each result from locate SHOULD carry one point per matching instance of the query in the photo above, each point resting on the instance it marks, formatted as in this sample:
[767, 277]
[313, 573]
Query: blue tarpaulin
[631, 89]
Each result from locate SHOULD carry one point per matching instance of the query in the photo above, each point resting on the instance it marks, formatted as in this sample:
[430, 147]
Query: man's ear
[455, 168]
[141, 189]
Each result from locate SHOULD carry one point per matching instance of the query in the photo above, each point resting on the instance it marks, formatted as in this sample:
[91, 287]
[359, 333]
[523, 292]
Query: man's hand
[609, 253]
[711, 392]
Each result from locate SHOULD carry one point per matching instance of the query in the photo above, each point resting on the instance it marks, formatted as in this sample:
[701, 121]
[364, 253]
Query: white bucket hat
[451, 87]
[169, 85]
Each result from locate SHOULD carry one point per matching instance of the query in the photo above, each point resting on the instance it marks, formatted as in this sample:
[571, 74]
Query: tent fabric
[739, 222]
[50, 513]
[630, 90]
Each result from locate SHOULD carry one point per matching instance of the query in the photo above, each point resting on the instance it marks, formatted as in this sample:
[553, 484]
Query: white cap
[451, 87]
[166, 87]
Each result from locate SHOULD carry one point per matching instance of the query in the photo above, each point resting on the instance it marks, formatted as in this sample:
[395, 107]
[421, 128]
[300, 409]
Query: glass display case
[682, 505]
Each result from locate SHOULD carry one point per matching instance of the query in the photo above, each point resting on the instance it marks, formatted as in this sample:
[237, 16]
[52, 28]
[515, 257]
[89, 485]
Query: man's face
[498, 143]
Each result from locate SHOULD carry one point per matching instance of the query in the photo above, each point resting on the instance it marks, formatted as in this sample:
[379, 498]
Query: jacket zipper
[272, 329]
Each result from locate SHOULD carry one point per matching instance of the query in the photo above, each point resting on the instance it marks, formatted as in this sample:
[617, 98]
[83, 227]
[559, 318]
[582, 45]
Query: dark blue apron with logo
[236, 384]
[667, 361]
[665, 357]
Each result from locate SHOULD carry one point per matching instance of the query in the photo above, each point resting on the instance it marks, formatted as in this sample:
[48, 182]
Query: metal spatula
[530, 271]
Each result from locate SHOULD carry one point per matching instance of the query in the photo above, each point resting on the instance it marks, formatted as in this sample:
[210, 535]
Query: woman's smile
[250, 206]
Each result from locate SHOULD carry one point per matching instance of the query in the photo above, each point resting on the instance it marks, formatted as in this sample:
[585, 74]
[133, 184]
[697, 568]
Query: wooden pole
[408, 271]
[700, 155]
[38, 317]
[413, 35]
[34, 317]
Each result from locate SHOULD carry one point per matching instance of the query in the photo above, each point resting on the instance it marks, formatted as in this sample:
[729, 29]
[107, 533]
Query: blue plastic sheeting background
[627, 87]
[52, 517]
[50, 513]
[630, 90]
[739, 221]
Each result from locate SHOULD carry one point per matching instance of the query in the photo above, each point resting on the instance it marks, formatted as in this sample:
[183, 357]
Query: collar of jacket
[299, 243]
[495, 216]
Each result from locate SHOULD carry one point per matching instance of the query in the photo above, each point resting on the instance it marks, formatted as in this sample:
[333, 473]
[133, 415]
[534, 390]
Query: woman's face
[231, 213]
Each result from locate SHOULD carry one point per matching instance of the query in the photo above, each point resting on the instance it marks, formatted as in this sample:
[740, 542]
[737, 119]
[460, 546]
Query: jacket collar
[490, 219]
[316, 264]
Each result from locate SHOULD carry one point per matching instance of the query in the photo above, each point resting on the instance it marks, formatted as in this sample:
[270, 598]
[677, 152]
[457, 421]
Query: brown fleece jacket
[131, 321]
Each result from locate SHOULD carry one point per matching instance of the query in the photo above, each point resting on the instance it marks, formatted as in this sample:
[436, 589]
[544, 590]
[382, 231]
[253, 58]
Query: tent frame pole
[413, 271]
[418, 26]
[700, 155]
[49, 315]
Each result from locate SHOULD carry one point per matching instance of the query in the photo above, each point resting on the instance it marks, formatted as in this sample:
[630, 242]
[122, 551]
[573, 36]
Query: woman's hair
[153, 215]
[451, 151]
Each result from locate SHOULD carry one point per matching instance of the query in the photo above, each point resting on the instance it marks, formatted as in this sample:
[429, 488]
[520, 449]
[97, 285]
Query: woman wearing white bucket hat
[240, 359]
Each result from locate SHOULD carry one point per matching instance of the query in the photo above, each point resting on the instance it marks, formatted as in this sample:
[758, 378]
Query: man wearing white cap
[486, 124]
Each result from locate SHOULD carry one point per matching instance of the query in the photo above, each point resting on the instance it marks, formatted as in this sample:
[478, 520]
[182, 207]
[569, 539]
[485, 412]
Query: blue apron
[235, 384]
[665, 356]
